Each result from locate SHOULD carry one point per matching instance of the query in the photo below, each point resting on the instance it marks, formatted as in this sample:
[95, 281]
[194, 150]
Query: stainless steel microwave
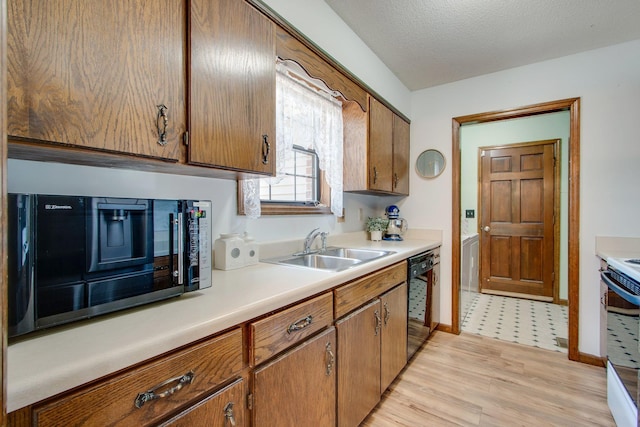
[75, 257]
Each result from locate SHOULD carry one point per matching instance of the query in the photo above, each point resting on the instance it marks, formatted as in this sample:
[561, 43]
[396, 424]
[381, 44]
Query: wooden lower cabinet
[169, 385]
[393, 345]
[299, 387]
[222, 409]
[372, 350]
[358, 364]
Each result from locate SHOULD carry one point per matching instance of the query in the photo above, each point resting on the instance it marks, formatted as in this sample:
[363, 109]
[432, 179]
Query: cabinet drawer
[354, 294]
[282, 330]
[113, 401]
[223, 408]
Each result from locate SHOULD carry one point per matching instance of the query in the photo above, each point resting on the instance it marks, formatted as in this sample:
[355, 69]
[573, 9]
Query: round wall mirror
[430, 163]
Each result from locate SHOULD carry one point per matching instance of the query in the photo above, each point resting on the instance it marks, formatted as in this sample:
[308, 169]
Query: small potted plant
[376, 226]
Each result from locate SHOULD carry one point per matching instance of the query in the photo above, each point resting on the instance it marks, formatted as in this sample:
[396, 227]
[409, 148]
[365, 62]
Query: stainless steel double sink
[330, 259]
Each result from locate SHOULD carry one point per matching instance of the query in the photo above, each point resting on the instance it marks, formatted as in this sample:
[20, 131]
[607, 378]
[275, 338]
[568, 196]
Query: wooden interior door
[517, 186]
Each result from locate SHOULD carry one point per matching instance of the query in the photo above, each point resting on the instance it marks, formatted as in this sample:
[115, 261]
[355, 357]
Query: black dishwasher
[420, 280]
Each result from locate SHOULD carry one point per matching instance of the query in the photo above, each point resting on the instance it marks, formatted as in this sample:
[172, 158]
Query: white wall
[504, 132]
[608, 83]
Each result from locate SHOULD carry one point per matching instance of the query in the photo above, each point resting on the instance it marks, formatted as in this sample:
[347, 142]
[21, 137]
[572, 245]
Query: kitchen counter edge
[51, 362]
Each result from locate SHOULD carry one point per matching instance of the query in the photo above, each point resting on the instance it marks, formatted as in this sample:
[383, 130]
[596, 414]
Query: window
[300, 183]
[309, 138]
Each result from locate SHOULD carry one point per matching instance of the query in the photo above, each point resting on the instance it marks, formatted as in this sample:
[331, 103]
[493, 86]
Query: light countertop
[617, 247]
[50, 362]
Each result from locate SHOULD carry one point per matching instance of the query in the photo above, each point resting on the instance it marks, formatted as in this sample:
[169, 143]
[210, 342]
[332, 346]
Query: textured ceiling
[431, 42]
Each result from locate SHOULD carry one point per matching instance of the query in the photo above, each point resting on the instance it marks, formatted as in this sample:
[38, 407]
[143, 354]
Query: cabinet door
[359, 364]
[298, 388]
[92, 74]
[380, 146]
[393, 345]
[400, 156]
[222, 409]
[232, 93]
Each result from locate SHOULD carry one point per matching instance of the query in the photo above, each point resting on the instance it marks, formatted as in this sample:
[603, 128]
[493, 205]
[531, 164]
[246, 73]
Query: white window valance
[311, 118]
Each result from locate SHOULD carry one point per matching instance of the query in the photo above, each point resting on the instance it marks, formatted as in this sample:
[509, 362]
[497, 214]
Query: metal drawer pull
[266, 149]
[229, 417]
[300, 324]
[162, 121]
[378, 321]
[375, 174]
[151, 394]
[387, 313]
[332, 359]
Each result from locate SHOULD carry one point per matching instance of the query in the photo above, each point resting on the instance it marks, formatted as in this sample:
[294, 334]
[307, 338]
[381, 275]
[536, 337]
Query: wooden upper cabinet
[380, 147]
[377, 151]
[232, 92]
[400, 181]
[92, 74]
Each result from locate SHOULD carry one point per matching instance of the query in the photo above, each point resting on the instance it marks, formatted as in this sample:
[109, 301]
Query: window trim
[316, 177]
[293, 208]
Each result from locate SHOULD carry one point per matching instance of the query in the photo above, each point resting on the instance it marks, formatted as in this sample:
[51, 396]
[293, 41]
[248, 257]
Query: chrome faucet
[308, 241]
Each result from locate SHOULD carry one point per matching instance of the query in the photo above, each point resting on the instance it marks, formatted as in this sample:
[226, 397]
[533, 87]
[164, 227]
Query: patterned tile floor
[533, 323]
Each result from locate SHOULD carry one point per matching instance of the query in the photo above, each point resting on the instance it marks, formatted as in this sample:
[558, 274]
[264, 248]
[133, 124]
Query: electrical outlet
[470, 213]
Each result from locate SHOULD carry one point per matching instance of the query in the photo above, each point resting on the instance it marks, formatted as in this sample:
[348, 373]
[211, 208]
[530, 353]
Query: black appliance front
[75, 257]
[20, 293]
[91, 255]
[420, 279]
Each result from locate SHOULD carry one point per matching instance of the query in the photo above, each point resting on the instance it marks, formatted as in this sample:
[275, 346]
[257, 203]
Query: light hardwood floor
[469, 380]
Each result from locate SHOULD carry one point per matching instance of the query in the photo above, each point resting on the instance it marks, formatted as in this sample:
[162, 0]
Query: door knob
[487, 228]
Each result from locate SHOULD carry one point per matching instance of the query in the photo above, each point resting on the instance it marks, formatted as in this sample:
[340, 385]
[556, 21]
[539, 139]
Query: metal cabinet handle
[229, 417]
[149, 395]
[375, 174]
[162, 122]
[331, 357]
[300, 324]
[266, 149]
[378, 322]
[387, 313]
[395, 180]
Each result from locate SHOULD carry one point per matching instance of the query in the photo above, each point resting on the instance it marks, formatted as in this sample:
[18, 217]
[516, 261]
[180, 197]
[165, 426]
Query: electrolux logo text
[57, 207]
